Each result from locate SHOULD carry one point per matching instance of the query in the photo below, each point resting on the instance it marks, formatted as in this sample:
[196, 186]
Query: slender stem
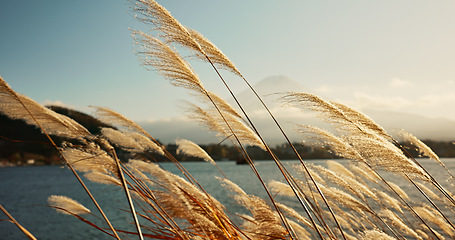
[433, 180]
[128, 196]
[294, 186]
[25, 231]
[372, 211]
[147, 193]
[432, 203]
[404, 201]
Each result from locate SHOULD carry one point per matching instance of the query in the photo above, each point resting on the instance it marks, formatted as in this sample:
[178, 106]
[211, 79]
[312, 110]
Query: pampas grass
[67, 205]
[190, 148]
[341, 201]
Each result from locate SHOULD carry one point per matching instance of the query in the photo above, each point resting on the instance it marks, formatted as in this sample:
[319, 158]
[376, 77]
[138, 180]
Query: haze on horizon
[381, 55]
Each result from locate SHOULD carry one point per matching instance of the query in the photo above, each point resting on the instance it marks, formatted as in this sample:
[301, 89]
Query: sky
[383, 55]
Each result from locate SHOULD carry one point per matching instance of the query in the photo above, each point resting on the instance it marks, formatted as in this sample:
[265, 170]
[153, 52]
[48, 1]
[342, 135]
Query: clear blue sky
[391, 55]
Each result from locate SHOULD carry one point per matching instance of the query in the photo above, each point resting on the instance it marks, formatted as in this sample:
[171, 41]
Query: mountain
[421, 126]
[168, 130]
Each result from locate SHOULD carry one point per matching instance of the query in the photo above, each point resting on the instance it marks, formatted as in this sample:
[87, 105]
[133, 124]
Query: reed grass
[337, 202]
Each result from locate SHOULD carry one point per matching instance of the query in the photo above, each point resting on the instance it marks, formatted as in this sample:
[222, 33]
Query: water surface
[24, 191]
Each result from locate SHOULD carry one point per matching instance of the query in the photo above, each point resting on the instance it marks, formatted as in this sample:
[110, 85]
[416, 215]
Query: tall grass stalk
[15, 222]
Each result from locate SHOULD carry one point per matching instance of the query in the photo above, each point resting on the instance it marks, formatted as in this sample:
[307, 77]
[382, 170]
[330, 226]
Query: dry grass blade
[208, 119]
[212, 52]
[389, 201]
[102, 178]
[233, 187]
[244, 133]
[423, 149]
[190, 148]
[110, 116]
[400, 191]
[145, 143]
[380, 153]
[126, 189]
[360, 118]
[339, 169]
[344, 199]
[301, 232]
[281, 188]
[266, 223]
[183, 31]
[59, 209]
[293, 213]
[170, 29]
[211, 98]
[364, 172]
[138, 133]
[426, 213]
[91, 159]
[213, 121]
[12, 105]
[327, 110]
[429, 192]
[437, 209]
[375, 150]
[339, 146]
[121, 140]
[131, 141]
[313, 173]
[376, 234]
[149, 11]
[347, 183]
[153, 52]
[399, 224]
[161, 222]
[68, 204]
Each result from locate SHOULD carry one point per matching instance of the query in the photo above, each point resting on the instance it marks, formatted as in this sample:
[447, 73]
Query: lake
[24, 191]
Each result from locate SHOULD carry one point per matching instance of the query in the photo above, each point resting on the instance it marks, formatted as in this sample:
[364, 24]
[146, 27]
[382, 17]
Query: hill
[21, 143]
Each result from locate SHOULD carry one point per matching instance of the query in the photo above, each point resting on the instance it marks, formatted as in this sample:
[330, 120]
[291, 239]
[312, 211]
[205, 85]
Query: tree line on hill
[22, 144]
